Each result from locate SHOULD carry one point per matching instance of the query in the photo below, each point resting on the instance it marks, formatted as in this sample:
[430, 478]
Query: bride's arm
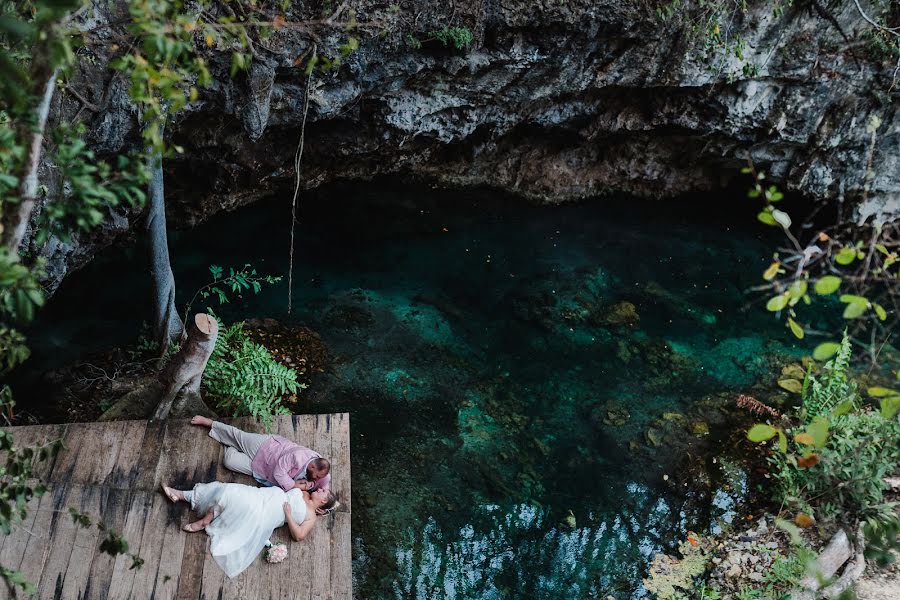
[298, 531]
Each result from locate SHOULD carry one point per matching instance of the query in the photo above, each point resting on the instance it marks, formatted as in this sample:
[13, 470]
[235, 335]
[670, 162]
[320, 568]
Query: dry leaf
[804, 520]
[808, 461]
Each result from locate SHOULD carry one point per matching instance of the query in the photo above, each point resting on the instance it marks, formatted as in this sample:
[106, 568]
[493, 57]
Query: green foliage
[16, 489]
[244, 379]
[859, 259]
[713, 28]
[838, 457]
[787, 571]
[846, 483]
[164, 65]
[458, 37]
[826, 390]
[92, 186]
[236, 282]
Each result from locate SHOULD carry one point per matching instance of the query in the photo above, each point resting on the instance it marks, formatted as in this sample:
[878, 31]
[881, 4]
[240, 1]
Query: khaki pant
[240, 446]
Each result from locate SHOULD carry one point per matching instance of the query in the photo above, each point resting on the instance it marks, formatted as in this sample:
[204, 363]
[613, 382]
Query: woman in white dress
[240, 519]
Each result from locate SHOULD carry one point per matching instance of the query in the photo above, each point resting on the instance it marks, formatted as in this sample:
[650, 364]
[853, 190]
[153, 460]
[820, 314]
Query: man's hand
[287, 509]
[302, 485]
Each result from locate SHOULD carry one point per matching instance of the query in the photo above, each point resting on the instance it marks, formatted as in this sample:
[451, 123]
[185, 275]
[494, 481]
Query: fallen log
[181, 377]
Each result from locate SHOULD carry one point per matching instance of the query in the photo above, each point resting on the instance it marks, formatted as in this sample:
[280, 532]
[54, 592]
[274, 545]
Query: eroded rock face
[554, 100]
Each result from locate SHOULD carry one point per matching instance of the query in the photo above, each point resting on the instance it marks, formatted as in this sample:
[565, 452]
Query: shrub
[458, 37]
[846, 484]
[244, 378]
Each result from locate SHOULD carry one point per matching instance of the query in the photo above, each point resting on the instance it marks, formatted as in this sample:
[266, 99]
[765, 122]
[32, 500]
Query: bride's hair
[331, 504]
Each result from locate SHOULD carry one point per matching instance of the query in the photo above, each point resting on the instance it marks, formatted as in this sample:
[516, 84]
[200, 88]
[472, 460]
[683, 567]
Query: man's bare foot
[201, 420]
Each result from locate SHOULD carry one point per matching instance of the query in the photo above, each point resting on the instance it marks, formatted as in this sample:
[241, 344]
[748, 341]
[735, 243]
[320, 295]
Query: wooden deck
[112, 472]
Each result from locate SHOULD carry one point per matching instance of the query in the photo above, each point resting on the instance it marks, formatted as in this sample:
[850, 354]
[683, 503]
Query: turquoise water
[526, 383]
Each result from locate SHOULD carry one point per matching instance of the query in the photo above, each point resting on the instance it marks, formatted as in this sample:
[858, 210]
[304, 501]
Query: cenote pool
[526, 383]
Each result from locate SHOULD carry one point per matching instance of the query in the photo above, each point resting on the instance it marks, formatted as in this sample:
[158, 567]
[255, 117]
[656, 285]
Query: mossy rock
[620, 314]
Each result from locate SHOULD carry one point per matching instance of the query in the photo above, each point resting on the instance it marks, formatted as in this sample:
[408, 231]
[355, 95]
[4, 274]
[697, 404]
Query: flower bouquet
[275, 553]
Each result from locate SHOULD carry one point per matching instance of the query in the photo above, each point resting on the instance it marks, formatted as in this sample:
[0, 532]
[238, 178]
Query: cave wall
[555, 100]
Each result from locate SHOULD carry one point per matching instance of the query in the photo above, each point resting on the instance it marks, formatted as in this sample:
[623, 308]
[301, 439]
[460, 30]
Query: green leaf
[827, 285]
[766, 218]
[842, 409]
[825, 350]
[792, 530]
[791, 385]
[846, 255]
[818, 429]
[761, 432]
[796, 329]
[890, 406]
[855, 309]
[881, 392]
[782, 442]
[879, 310]
[777, 303]
[797, 290]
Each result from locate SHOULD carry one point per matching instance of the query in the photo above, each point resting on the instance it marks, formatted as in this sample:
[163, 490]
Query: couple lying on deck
[241, 518]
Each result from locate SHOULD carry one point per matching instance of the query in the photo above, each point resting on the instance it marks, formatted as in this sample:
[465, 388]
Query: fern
[824, 392]
[244, 379]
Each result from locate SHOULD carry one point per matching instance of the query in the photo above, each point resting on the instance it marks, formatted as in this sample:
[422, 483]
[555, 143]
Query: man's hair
[322, 464]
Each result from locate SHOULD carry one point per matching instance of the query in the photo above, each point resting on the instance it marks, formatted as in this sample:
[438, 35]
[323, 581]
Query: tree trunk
[183, 373]
[16, 221]
[167, 325]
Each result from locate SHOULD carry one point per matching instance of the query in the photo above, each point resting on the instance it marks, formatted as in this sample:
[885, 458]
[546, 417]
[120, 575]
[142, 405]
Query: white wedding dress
[245, 518]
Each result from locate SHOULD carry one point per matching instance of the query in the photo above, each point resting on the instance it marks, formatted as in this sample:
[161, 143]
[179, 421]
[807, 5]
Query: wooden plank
[161, 537]
[74, 436]
[341, 559]
[188, 458]
[38, 547]
[320, 539]
[123, 576]
[214, 578]
[152, 447]
[124, 474]
[61, 539]
[190, 577]
[113, 512]
[340, 449]
[16, 542]
[98, 453]
[85, 543]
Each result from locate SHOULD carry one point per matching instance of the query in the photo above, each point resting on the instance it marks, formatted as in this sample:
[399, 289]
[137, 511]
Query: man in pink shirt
[270, 459]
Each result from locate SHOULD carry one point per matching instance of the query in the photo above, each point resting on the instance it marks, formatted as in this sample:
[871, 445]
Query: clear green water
[478, 353]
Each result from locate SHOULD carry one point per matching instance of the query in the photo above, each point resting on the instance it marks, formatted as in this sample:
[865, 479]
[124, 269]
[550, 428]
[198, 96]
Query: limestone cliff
[555, 100]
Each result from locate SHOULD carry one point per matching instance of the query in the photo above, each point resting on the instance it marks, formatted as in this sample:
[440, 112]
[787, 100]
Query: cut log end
[206, 323]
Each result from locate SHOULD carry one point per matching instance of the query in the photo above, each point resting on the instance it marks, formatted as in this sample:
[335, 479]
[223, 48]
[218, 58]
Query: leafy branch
[237, 282]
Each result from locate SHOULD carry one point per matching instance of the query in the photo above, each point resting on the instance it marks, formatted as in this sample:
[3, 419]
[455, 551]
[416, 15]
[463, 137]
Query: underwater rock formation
[554, 101]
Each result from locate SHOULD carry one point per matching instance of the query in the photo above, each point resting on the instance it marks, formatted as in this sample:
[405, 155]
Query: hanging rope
[297, 157]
